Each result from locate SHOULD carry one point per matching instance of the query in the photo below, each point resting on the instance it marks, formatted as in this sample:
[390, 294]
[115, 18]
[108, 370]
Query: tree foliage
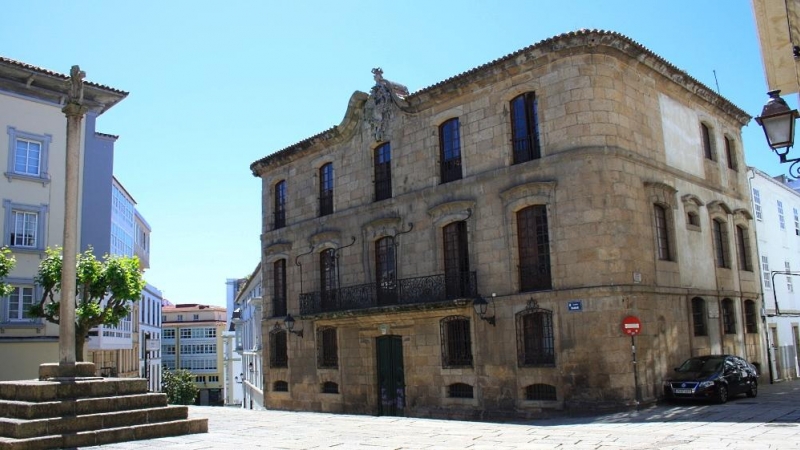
[104, 290]
[179, 387]
[7, 263]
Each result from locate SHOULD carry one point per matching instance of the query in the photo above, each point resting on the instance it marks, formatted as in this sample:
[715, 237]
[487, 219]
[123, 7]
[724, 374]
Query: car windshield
[703, 365]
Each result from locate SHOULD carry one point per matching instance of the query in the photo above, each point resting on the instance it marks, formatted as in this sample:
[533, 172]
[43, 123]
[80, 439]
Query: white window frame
[10, 210]
[796, 222]
[20, 304]
[781, 218]
[765, 272]
[757, 203]
[789, 286]
[44, 140]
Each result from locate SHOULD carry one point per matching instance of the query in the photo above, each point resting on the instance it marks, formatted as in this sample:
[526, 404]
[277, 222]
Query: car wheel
[753, 391]
[722, 394]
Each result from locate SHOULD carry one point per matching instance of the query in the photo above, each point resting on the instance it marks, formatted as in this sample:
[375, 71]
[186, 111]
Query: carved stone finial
[377, 74]
[76, 76]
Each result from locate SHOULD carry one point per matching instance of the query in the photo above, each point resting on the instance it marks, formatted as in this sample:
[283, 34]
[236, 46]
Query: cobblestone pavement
[769, 421]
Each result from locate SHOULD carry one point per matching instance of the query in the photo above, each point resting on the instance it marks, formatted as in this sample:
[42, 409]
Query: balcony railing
[407, 291]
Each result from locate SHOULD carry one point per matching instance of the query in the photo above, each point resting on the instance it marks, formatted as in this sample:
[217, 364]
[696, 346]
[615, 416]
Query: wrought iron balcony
[406, 291]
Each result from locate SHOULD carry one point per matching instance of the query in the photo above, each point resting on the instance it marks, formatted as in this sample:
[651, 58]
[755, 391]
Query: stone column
[67, 367]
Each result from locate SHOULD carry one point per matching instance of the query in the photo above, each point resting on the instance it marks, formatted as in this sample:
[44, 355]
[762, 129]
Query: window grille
[385, 271]
[535, 337]
[329, 387]
[525, 128]
[280, 386]
[781, 218]
[278, 351]
[750, 316]
[456, 342]
[699, 316]
[540, 391]
[765, 273]
[728, 317]
[757, 203]
[460, 390]
[327, 350]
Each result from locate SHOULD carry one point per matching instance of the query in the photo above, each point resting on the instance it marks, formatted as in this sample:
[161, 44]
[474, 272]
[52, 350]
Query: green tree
[7, 263]
[104, 291]
[179, 387]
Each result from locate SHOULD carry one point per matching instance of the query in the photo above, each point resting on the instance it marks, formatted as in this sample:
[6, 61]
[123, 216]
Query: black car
[712, 377]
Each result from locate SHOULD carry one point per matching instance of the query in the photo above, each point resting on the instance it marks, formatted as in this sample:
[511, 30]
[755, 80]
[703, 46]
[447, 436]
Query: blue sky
[217, 85]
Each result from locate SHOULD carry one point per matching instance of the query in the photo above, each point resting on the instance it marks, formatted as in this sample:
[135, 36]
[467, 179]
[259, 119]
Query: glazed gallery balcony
[405, 291]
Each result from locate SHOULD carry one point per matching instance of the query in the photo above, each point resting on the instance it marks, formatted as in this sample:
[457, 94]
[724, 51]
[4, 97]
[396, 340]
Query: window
[383, 172]
[533, 243]
[195, 317]
[168, 333]
[540, 391]
[327, 352]
[456, 342]
[662, 233]
[386, 275]
[535, 338]
[199, 379]
[329, 387]
[326, 190]
[213, 379]
[278, 350]
[730, 154]
[693, 218]
[720, 235]
[796, 222]
[327, 279]
[280, 386]
[699, 316]
[279, 288]
[169, 349]
[180, 317]
[19, 303]
[765, 273]
[450, 151]
[781, 218]
[743, 248]
[789, 286]
[728, 317]
[28, 155]
[25, 225]
[708, 151]
[186, 333]
[757, 203]
[525, 128]
[456, 260]
[280, 205]
[460, 390]
[750, 317]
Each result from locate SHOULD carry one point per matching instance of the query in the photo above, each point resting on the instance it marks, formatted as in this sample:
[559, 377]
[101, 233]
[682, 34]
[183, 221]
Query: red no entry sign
[631, 326]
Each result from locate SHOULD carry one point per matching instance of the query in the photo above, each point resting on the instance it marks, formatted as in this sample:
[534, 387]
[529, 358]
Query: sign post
[632, 326]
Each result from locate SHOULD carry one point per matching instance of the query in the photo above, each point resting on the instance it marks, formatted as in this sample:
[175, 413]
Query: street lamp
[481, 305]
[777, 120]
[289, 322]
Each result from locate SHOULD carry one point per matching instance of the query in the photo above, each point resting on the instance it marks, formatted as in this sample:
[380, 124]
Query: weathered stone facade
[619, 130]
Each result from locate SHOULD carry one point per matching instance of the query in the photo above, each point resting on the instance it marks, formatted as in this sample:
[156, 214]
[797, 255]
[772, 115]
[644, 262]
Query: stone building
[470, 250]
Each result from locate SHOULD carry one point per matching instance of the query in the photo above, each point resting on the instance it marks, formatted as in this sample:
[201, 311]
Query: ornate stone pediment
[379, 108]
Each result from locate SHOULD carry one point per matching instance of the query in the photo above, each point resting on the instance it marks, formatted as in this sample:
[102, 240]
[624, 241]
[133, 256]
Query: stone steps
[77, 412]
[107, 435]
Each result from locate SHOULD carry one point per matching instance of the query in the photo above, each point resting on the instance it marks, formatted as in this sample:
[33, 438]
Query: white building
[150, 336]
[232, 357]
[776, 206]
[247, 322]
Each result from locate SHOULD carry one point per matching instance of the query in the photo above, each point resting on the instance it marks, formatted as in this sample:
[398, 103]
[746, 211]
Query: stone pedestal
[60, 371]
